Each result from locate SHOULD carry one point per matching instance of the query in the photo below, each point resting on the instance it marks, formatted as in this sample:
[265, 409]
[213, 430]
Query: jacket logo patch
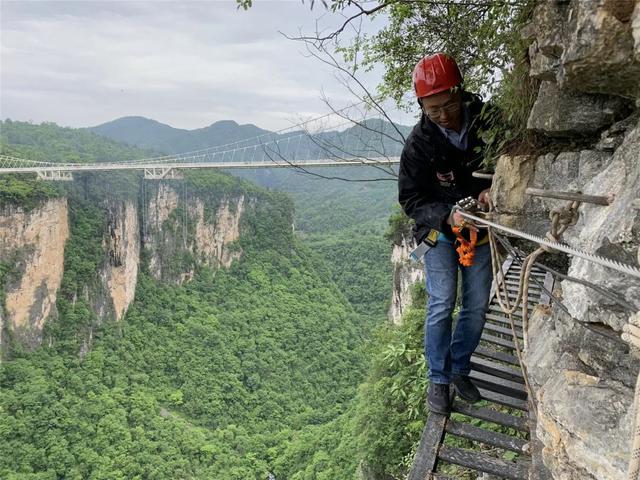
[445, 179]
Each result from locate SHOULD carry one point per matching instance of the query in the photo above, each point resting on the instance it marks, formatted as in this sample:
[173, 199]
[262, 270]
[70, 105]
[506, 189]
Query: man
[436, 164]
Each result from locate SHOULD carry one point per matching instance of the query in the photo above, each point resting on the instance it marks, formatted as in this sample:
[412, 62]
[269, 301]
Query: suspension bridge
[320, 142]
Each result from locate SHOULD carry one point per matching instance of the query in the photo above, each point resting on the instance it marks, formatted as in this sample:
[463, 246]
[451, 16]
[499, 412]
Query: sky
[186, 64]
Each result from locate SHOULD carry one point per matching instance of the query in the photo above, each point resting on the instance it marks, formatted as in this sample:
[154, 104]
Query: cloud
[187, 64]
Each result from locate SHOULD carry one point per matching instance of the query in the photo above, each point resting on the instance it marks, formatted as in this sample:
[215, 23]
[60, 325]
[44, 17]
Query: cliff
[587, 56]
[94, 256]
[32, 252]
[406, 274]
[182, 231]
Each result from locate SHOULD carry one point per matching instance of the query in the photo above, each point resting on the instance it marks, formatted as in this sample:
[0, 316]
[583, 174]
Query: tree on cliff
[482, 35]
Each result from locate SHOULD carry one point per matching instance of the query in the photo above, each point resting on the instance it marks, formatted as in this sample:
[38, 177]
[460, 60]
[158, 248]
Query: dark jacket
[427, 160]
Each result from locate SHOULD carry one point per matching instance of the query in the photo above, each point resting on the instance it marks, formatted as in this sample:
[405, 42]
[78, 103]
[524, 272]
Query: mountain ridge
[149, 133]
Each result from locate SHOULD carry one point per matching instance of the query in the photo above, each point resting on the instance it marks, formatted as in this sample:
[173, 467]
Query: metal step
[533, 279]
[495, 439]
[534, 271]
[483, 365]
[495, 355]
[533, 291]
[497, 341]
[494, 307]
[502, 330]
[484, 463]
[500, 418]
[504, 400]
[504, 320]
[514, 284]
[533, 298]
[499, 385]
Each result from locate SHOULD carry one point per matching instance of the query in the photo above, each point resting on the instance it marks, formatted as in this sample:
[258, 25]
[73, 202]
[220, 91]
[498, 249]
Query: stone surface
[511, 178]
[583, 408]
[611, 231]
[584, 381]
[546, 49]
[406, 273]
[598, 54]
[635, 31]
[587, 54]
[192, 235]
[543, 67]
[550, 23]
[213, 240]
[568, 171]
[33, 244]
[123, 253]
[566, 113]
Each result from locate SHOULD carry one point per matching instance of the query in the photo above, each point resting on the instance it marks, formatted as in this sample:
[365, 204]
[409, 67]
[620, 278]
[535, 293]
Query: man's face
[443, 108]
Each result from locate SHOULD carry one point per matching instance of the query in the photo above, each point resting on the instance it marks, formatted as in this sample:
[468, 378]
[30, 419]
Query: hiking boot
[438, 398]
[465, 389]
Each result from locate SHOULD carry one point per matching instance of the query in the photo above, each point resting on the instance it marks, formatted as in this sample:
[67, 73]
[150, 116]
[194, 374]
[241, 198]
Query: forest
[237, 374]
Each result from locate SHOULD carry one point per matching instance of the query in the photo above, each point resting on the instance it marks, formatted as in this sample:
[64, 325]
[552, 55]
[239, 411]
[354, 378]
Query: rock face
[588, 46]
[213, 241]
[123, 253]
[182, 232]
[32, 247]
[565, 113]
[611, 231]
[177, 235]
[586, 53]
[405, 274]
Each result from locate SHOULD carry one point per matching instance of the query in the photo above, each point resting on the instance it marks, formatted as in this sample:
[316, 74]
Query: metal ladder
[496, 372]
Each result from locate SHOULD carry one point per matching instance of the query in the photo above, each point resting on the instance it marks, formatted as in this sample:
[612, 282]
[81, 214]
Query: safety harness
[466, 248]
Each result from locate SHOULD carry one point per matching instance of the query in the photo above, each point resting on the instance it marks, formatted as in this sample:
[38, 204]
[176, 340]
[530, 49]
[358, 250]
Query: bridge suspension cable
[349, 136]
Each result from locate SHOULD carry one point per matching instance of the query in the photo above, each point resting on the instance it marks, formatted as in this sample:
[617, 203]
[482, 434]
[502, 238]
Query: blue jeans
[449, 355]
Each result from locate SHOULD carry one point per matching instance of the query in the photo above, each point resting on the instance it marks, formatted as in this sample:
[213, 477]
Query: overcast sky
[186, 64]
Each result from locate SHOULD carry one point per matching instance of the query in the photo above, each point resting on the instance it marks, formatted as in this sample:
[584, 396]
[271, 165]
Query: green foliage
[238, 374]
[210, 380]
[51, 143]
[48, 142]
[359, 265]
[476, 34]
[514, 97]
[390, 410]
[330, 205]
[399, 226]
[483, 37]
[27, 192]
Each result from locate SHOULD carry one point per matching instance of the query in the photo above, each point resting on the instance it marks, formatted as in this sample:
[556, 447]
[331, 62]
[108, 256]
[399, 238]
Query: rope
[631, 335]
[560, 221]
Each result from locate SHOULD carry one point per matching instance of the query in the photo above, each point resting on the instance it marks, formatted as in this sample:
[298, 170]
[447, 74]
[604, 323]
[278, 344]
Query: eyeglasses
[449, 107]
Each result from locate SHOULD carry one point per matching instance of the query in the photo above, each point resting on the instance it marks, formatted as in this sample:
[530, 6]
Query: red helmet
[434, 74]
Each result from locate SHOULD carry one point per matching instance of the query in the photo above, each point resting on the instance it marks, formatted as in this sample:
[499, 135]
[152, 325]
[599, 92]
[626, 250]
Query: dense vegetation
[236, 374]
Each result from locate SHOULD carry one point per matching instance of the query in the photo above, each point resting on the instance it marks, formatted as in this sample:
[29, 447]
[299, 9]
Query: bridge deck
[97, 167]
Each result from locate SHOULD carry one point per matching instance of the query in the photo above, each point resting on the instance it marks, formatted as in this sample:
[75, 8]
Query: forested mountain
[238, 373]
[147, 133]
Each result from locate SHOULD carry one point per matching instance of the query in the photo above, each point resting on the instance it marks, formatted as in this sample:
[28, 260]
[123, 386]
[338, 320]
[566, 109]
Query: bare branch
[335, 64]
[314, 174]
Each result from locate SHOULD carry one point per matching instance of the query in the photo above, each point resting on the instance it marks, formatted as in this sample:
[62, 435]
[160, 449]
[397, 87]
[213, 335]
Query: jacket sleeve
[415, 195]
